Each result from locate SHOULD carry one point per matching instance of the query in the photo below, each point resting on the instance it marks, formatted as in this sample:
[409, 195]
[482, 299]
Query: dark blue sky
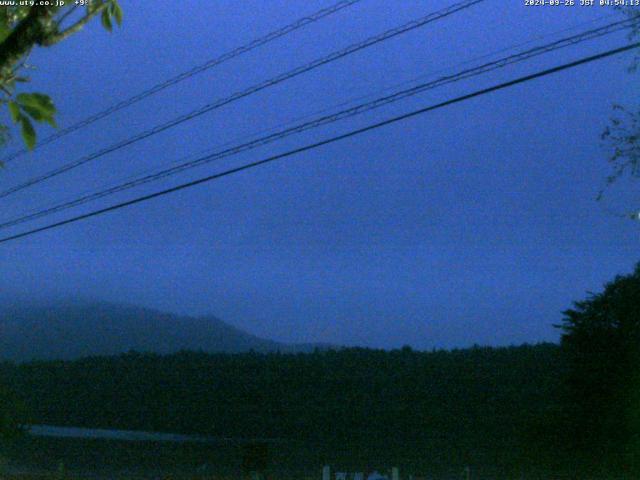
[473, 224]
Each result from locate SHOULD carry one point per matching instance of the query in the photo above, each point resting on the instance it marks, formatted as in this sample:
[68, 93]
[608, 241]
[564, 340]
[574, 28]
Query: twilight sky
[472, 224]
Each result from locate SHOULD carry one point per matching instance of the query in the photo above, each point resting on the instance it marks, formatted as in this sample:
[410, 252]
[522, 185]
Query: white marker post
[395, 473]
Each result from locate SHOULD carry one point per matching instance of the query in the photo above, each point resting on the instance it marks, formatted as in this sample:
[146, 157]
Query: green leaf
[106, 20]
[38, 106]
[15, 111]
[28, 132]
[37, 101]
[37, 115]
[5, 135]
[117, 12]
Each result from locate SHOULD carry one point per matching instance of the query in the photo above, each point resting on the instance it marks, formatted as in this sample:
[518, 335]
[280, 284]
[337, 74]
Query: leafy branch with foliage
[22, 28]
[622, 135]
[623, 138]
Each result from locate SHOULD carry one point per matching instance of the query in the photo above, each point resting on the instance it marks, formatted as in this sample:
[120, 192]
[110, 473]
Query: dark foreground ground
[43, 458]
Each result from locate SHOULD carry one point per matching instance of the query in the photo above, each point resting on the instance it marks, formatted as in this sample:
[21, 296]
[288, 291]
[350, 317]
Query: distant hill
[70, 331]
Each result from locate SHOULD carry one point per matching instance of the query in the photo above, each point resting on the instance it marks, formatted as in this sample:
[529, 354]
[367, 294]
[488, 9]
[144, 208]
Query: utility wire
[343, 103]
[327, 119]
[328, 141]
[414, 24]
[258, 42]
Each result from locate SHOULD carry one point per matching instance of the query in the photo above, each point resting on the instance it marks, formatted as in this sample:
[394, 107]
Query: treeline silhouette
[487, 394]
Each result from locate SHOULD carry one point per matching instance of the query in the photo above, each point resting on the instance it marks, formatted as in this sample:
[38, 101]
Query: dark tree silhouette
[601, 346]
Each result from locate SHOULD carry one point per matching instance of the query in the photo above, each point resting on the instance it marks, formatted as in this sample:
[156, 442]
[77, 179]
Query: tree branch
[64, 16]
[54, 38]
[32, 30]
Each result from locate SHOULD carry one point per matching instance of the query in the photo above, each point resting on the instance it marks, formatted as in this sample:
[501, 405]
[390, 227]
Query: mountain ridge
[74, 330]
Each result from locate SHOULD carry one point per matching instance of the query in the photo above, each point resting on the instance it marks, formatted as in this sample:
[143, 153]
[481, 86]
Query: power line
[269, 37]
[412, 25]
[327, 119]
[321, 143]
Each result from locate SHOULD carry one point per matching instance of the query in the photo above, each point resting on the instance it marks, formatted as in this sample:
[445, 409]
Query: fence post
[395, 473]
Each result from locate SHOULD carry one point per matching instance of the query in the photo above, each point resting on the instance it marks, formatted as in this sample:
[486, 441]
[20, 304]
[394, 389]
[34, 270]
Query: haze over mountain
[73, 330]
